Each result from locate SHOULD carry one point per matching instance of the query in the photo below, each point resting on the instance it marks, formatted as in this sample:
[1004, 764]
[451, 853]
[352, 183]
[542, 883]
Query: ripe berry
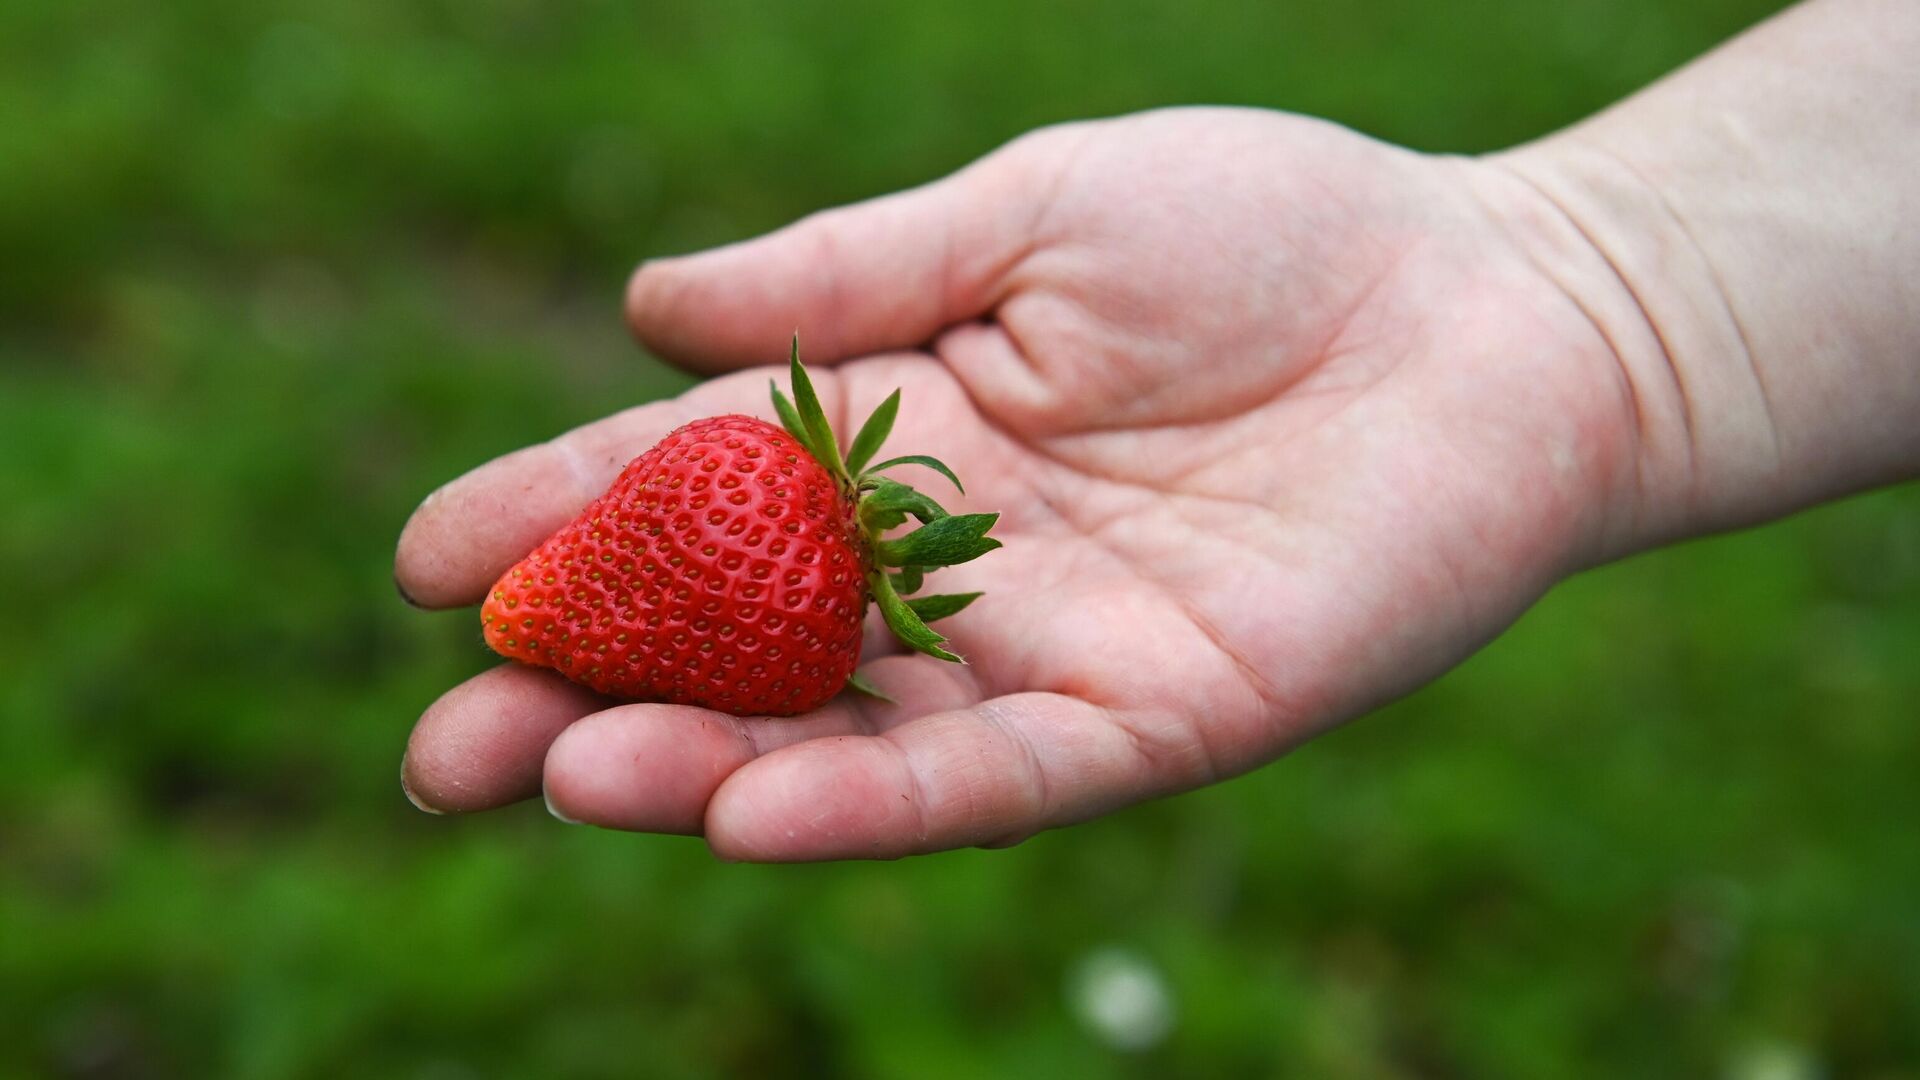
[730, 566]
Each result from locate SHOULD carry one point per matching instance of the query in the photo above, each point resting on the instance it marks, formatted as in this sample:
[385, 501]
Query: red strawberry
[730, 566]
[721, 569]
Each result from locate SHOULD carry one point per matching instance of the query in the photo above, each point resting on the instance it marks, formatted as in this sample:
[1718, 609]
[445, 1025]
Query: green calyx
[881, 504]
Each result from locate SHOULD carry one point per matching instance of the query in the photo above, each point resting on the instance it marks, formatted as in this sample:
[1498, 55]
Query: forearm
[1746, 235]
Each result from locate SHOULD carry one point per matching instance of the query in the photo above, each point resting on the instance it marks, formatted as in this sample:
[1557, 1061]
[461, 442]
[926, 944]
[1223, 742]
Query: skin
[1283, 422]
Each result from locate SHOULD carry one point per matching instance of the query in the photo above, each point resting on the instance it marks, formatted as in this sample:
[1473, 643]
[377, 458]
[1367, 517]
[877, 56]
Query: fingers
[653, 768]
[465, 535]
[878, 275]
[993, 772]
[481, 745]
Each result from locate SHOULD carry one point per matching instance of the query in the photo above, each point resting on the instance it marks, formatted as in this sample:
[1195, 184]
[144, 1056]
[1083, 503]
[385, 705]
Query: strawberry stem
[882, 504]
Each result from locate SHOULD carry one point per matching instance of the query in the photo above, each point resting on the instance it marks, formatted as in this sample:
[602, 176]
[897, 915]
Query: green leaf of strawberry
[857, 681]
[930, 608]
[891, 501]
[873, 433]
[921, 459]
[790, 419]
[905, 623]
[945, 542]
[820, 439]
[909, 580]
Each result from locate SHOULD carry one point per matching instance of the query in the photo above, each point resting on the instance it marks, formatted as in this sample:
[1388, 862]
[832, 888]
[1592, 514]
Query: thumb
[885, 274]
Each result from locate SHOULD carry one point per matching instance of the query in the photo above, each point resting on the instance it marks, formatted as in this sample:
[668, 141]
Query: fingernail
[405, 595]
[407, 789]
[554, 810]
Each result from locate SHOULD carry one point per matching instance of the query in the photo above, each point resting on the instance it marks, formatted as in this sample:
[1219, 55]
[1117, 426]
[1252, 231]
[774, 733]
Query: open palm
[1282, 422]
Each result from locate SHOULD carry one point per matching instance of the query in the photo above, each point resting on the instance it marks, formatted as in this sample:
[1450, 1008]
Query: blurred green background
[270, 273]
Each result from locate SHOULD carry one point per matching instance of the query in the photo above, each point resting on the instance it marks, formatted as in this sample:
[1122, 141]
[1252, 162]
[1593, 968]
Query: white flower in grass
[1122, 997]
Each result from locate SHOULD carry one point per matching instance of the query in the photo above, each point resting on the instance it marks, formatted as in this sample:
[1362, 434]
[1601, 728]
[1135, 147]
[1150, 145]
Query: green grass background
[270, 273]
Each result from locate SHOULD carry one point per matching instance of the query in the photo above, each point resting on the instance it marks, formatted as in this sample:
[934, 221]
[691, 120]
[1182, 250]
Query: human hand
[1282, 423]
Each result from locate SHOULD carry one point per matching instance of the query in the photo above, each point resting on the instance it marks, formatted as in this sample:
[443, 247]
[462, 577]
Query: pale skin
[1283, 423]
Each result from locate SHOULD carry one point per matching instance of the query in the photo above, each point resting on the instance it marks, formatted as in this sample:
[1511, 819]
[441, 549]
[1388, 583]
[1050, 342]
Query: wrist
[1702, 446]
[1743, 233]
